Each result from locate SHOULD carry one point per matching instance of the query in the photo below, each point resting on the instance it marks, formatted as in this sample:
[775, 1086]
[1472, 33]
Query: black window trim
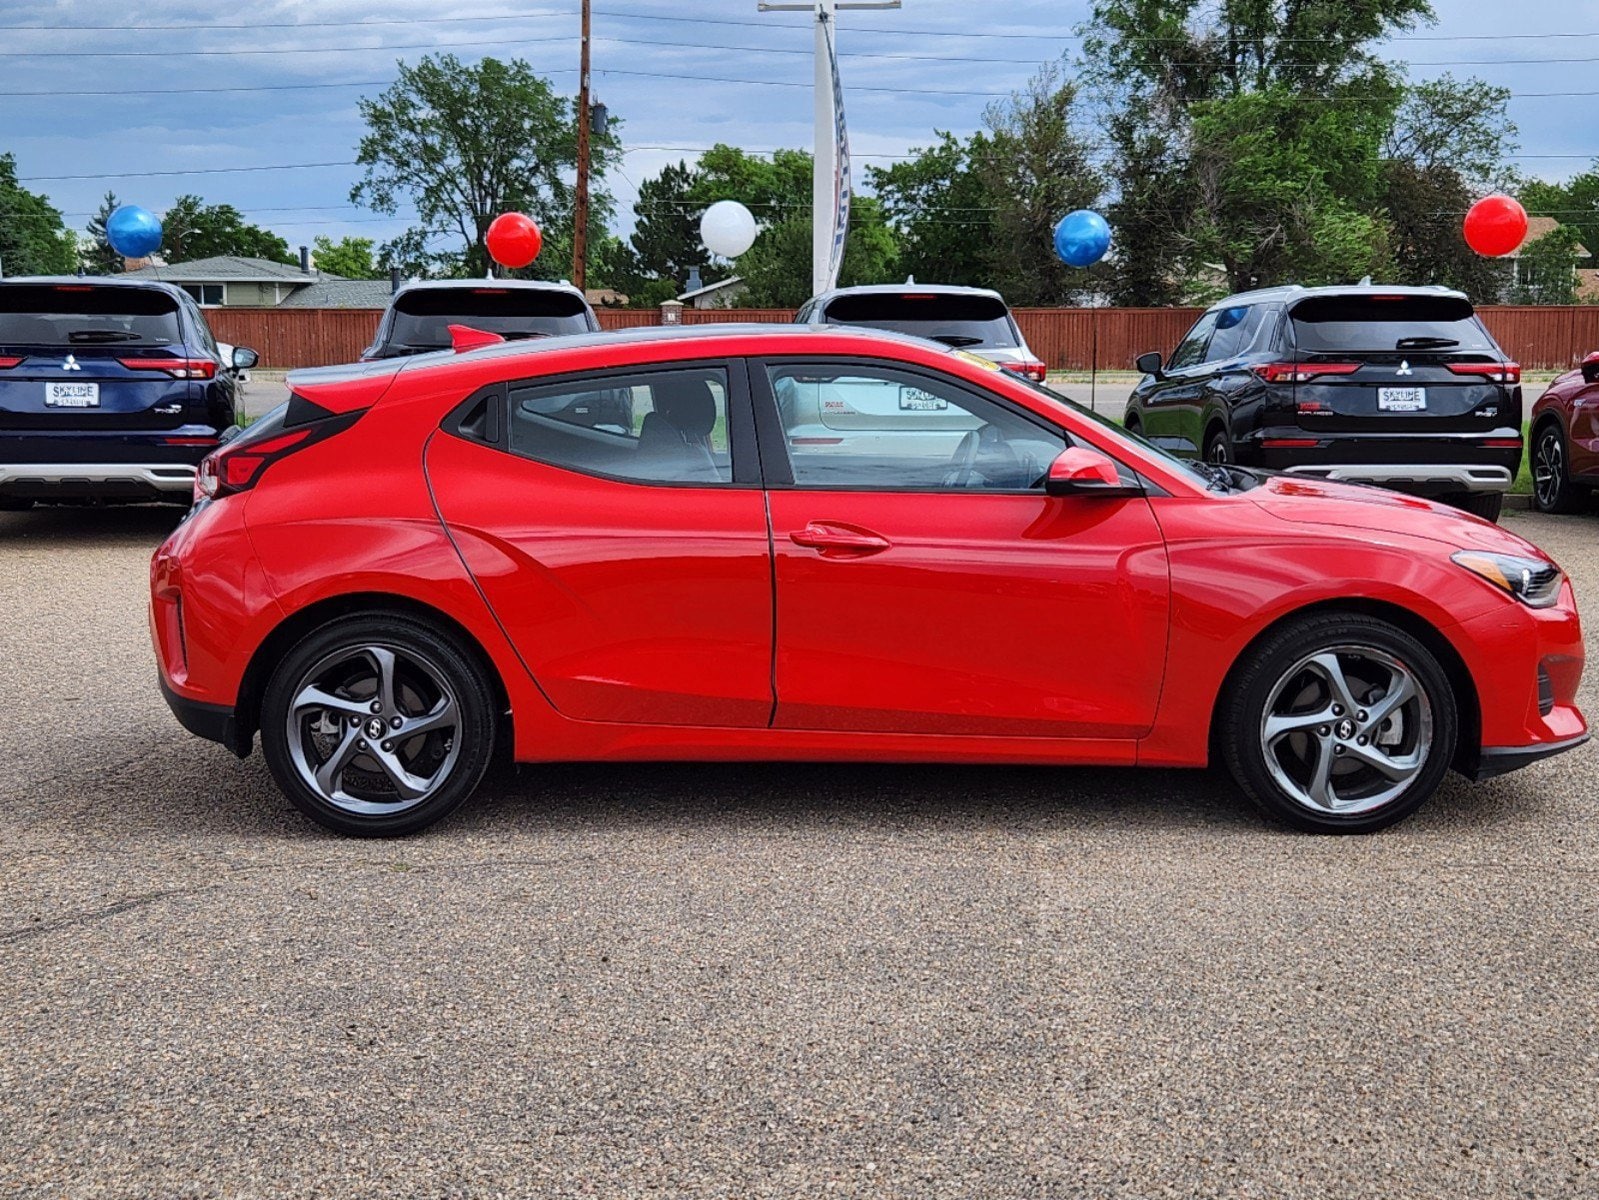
[774, 446]
[741, 431]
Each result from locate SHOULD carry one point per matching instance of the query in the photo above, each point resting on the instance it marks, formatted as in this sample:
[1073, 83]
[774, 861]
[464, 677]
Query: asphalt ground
[741, 981]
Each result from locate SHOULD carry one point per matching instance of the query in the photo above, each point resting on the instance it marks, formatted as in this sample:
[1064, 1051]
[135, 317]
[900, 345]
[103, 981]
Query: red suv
[824, 543]
[1565, 440]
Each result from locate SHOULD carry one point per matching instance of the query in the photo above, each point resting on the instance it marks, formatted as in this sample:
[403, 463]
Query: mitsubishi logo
[71, 364]
[1404, 367]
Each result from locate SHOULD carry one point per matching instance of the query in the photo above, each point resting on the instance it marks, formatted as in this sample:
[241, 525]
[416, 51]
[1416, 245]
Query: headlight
[1531, 580]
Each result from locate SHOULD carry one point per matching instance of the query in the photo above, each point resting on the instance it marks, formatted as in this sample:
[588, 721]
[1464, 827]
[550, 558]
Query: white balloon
[727, 228]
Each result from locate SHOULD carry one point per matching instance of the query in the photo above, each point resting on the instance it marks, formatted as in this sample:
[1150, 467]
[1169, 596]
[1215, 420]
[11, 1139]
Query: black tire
[1218, 447]
[1132, 424]
[429, 666]
[1265, 680]
[1487, 505]
[1552, 488]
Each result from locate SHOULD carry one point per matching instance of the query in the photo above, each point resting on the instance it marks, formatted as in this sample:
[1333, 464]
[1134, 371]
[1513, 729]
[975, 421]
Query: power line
[193, 26]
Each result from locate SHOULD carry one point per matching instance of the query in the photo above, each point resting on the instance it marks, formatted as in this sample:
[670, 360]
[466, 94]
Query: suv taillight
[1031, 369]
[9, 360]
[1282, 372]
[1497, 372]
[178, 368]
[238, 465]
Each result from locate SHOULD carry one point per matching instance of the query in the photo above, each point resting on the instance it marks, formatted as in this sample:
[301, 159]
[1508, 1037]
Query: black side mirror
[1150, 364]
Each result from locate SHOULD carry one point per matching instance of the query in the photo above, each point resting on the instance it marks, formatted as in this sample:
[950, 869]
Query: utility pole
[824, 153]
[580, 210]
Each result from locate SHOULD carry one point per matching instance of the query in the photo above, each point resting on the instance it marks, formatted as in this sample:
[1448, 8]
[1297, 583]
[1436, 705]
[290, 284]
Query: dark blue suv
[111, 390]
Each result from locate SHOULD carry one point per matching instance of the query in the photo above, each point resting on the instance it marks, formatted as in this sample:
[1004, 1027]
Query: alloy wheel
[374, 729]
[1346, 730]
[1548, 470]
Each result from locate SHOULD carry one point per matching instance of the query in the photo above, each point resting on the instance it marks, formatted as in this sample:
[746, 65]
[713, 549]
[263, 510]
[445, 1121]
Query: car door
[631, 568]
[926, 583]
[1582, 443]
[1174, 402]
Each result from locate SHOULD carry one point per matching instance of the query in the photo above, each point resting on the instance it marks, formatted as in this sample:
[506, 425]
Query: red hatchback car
[824, 543]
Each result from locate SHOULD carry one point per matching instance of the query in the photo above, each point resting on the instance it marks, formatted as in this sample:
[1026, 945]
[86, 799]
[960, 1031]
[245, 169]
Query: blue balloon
[1082, 238]
[133, 232]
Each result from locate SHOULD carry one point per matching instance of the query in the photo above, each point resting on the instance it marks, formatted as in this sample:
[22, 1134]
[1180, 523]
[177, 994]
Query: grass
[1523, 484]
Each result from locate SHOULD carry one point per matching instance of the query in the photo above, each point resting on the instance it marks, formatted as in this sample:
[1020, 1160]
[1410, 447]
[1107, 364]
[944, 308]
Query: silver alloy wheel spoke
[330, 775]
[441, 716]
[313, 696]
[384, 659]
[409, 786]
[1328, 759]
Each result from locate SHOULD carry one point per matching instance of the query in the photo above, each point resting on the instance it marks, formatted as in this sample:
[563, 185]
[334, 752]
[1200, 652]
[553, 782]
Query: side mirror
[1080, 472]
[1590, 368]
[1150, 364]
[244, 358]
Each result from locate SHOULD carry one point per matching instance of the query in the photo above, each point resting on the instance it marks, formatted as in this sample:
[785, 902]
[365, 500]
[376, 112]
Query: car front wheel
[1339, 724]
[378, 725]
[1552, 489]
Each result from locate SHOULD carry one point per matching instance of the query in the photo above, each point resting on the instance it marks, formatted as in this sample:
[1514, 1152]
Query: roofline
[1296, 292]
[143, 281]
[880, 289]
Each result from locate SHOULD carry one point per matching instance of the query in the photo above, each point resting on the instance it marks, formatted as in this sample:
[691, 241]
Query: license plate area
[1402, 399]
[72, 395]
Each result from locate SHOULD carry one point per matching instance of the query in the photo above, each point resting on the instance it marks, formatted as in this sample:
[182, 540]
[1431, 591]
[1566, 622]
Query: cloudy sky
[255, 104]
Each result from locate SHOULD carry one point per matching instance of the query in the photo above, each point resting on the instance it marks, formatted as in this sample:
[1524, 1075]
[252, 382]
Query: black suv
[1397, 386]
[110, 390]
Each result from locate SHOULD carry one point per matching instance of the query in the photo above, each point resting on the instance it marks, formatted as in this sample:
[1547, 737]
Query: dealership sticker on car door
[1402, 399]
[72, 395]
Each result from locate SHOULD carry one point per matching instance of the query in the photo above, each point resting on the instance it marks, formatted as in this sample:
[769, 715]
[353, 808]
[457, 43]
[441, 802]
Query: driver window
[1191, 350]
[861, 427]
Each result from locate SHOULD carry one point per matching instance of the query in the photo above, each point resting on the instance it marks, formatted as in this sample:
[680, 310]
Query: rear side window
[955, 320]
[1341, 324]
[1237, 330]
[652, 427]
[423, 316]
[87, 315]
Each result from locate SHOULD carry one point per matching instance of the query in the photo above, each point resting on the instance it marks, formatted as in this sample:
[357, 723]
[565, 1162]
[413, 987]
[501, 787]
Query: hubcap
[374, 730]
[1548, 469]
[1346, 730]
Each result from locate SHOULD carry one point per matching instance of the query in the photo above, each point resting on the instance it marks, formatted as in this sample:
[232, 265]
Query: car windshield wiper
[955, 340]
[82, 336]
[1425, 343]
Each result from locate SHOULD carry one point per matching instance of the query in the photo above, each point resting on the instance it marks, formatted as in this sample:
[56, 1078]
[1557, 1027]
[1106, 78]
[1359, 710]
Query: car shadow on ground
[90, 525]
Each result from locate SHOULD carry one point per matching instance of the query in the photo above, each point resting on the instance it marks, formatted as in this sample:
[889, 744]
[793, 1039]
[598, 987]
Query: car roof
[1293, 293]
[148, 285]
[899, 289]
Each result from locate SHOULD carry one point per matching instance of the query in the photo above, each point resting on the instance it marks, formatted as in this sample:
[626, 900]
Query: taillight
[1502, 443]
[1032, 369]
[1281, 372]
[1289, 443]
[9, 360]
[1497, 372]
[178, 368]
[239, 465]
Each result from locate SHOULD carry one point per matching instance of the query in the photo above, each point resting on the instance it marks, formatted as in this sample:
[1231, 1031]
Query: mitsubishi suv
[1397, 386]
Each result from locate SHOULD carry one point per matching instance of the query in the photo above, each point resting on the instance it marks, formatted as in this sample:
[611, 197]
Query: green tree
[666, 236]
[1546, 269]
[937, 203]
[350, 257]
[463, 144]
[191, 229]
[1574, 202]
[777, 268]
[98, 256]
[33, 239]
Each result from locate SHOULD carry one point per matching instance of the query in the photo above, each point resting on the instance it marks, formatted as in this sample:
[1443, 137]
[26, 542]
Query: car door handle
[826, 537]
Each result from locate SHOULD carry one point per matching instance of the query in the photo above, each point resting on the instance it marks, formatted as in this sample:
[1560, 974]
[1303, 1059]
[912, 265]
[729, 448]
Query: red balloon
[513, 239]
[1496, 226]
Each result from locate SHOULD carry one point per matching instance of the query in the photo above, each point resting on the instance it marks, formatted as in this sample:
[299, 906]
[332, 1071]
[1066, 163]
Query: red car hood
[1379, 511]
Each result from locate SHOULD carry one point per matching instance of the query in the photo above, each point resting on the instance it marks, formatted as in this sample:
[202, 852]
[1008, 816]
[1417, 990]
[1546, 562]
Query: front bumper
[1493, 761]
[154, 481]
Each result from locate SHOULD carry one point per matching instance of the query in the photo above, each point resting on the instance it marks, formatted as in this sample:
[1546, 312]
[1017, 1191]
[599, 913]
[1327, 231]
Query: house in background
[1586, 279]
[232, 281]
[725, 294]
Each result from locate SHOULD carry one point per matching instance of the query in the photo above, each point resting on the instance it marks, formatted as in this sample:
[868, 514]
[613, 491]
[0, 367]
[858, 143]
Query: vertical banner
[841, 187]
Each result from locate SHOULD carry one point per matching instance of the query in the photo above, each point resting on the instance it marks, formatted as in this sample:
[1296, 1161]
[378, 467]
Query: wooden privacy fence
[1068, 339]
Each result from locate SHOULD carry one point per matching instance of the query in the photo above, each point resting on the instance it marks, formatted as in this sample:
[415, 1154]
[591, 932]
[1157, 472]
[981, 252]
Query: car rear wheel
[1339, 724]
[377, 726]
[1487, 505]
[1552, 489]
[1218, 448]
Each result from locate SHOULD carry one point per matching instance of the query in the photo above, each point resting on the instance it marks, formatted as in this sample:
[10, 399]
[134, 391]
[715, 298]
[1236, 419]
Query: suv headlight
[1531, 580]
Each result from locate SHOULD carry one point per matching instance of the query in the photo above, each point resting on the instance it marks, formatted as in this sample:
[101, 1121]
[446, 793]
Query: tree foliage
[33, 239]
[98, 258]
[461, 145]
[1546, 269]
[350, 257]
[191, 229]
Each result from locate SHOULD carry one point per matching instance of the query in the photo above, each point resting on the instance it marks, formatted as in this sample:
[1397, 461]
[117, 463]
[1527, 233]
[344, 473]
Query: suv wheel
[1218, 448]
[1339, 724]
[377, 726]
[1487, 505]
[1552, 489]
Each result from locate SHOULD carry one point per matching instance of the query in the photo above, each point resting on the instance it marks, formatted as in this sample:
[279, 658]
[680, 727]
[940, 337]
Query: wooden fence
[1540, 338]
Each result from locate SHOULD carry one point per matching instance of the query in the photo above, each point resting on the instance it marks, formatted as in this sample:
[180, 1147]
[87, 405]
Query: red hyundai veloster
[824, 543]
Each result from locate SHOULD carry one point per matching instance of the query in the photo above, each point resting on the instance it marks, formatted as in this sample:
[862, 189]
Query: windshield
[963, 321]
[74, 314]
[423, 316]
[1340, 324]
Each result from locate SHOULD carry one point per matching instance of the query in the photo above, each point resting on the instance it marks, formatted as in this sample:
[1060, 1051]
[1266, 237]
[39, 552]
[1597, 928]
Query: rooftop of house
[230, 268]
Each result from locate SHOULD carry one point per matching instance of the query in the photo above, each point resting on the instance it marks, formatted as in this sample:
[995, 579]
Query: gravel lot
[759, 981]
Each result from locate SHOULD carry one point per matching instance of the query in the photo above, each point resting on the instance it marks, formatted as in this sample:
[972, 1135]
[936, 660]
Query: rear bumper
[1438, 477]
[1493, 761]
[155, 480]
[214, 722]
